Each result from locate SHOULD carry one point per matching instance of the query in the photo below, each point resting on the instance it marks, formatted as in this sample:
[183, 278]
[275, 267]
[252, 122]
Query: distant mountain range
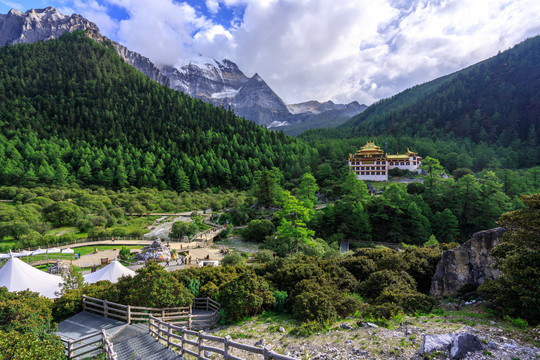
[220, 83]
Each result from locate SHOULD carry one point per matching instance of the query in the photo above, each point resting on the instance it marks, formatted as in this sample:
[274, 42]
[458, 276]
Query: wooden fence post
[226, 347]
[84, 302]
[189, 321]
[200, 343]
[266, 354]
[183, 338]
[129, 314]
[207, 301]
[168, 334]
[69, 349]
[105, 308]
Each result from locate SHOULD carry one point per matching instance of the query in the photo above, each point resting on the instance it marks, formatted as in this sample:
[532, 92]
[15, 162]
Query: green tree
[308, 191]
[292, 229]
[72, 280]
[433, 169]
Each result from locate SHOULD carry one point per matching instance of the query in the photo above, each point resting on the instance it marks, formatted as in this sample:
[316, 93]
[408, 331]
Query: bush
[69, 304]
[281, 297]
[16, 345]
[209, 290]
[233, 259]
[381, 280]
[314, 300]
[153, 286]
[247, 295]
[264, 256]
[257, 230]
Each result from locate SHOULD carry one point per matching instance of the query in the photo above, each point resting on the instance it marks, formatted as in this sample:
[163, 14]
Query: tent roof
[111, 272]
[17, 275]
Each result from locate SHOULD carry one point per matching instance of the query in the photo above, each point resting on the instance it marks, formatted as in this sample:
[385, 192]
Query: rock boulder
[468, 264]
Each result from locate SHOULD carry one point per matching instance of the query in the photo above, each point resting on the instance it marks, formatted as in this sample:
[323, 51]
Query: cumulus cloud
[324, 49]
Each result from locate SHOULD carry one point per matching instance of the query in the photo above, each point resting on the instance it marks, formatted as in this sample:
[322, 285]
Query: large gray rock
[459, 345]
[464, 343]
[431, 343]
[469, 263]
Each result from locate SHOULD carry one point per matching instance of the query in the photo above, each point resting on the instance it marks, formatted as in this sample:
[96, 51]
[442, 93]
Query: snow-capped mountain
[220, 83]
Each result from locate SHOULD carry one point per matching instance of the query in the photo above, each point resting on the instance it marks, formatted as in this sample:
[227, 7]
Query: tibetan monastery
[370, 162]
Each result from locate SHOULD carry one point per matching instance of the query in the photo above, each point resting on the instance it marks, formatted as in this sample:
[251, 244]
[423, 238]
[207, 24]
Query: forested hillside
[72, 111]
[487, 114]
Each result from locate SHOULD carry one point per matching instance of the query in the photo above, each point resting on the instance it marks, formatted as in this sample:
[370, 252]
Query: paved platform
[86, 323]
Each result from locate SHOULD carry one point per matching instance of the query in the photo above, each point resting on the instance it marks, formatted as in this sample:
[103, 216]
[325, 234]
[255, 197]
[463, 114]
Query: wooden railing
[177, 338]
[177, 315]
[95, 342]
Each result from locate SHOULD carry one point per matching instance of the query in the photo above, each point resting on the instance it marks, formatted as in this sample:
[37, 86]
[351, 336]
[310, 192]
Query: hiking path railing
[180, 339]
[92, 343]
[176, 315]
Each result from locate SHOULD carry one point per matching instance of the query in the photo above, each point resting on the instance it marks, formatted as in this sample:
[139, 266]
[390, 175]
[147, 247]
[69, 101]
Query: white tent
[53, 250]
[67, 251]
[39, 251]
[111, 272]
[17, 275]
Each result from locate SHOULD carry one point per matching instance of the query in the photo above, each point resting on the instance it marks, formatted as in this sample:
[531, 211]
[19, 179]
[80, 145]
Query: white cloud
[325, 49]
[212, 6]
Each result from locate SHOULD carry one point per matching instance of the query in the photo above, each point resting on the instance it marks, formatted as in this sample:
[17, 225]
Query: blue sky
[340, 50]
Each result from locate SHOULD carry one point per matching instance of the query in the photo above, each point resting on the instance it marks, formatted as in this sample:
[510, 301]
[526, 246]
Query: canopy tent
[17, 275]
[53, 250]
[111, 272]
[67, 251]
[39, 251]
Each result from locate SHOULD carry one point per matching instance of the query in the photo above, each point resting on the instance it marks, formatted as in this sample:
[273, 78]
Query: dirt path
[95, 259]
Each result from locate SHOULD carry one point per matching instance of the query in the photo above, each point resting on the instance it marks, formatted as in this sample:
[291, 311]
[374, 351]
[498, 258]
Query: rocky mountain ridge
[220, 83]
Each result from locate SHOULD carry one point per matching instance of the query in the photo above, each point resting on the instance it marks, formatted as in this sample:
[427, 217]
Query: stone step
[135, 343]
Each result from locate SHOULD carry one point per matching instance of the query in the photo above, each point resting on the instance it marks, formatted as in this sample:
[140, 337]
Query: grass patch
[85, 250]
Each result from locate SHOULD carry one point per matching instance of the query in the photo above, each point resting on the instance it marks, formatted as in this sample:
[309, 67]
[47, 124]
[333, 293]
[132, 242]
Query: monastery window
[408, 163]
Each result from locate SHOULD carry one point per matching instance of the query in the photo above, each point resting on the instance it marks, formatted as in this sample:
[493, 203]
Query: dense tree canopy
[72, 111]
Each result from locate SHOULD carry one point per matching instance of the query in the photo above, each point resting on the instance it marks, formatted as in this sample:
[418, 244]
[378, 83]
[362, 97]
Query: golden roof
[371, 150]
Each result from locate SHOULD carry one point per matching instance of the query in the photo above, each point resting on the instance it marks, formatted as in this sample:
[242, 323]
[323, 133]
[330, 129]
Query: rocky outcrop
[468, 264]
[141, 63]
[458, 345]
[157, 251]
[35, 25]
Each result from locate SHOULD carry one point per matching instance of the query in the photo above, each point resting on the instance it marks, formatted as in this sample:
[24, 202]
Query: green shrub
[194, 286]
[15, 345]
[246, 295]
[313, 301]
[232, 259]
[153, 286]
[264, 256]
[257, 230]
[69, 304]
[281, 297]
[380, 280]
[209, 290]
